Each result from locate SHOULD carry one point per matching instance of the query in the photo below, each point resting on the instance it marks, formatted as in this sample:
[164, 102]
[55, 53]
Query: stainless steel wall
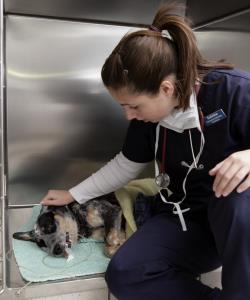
[203, 12]
[61, 123]
[230, 45]
[129, 12]
[227, 37]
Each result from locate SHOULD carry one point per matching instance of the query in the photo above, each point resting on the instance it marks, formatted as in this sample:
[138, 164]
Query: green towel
[35, 265]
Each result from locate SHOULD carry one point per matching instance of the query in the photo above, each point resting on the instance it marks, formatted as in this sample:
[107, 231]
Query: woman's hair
[143, 58]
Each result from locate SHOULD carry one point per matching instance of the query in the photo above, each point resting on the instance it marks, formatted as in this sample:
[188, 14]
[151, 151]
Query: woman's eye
[134, 107]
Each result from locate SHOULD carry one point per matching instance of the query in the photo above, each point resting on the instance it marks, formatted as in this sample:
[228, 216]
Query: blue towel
[35, 265]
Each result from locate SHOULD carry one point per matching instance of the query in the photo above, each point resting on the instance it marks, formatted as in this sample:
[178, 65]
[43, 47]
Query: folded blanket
[127, 195]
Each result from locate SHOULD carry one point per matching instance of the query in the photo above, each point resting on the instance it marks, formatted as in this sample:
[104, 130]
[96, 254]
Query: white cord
[19, 291]
[177, 210]
[195, 162]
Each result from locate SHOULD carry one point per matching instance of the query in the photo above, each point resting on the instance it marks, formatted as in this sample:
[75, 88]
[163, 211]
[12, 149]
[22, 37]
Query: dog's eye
[57, 250]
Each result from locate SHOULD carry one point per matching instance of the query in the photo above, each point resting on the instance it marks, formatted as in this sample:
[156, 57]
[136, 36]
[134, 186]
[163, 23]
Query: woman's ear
[167, 87]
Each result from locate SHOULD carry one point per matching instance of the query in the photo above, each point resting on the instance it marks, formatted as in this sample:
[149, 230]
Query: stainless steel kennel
[58, 123]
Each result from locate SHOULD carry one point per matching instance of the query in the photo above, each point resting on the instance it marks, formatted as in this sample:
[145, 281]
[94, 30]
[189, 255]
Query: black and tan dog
[59, 227]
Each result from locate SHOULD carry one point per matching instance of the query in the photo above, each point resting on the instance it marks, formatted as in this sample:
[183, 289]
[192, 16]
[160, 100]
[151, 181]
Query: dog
[58, 228]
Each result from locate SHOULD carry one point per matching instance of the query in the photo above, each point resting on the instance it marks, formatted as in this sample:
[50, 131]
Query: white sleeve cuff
[114, 175]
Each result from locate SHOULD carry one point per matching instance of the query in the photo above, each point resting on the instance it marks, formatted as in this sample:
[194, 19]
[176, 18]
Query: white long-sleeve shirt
[114, 175]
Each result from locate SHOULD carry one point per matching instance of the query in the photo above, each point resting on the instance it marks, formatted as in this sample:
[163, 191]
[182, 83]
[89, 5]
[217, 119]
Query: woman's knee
[236, 206]
[123, 273]
[117, 275]
[229, 216]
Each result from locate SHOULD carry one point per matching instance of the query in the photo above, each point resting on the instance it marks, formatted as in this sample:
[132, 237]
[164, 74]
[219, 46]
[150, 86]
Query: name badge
[214, 117]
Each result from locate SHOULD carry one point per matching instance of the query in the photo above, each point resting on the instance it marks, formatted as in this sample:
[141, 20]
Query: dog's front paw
[109, 251]
[115, 237]
[114, 240]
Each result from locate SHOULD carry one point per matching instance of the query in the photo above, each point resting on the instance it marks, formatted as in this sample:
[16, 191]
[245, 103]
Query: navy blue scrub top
[231, 94]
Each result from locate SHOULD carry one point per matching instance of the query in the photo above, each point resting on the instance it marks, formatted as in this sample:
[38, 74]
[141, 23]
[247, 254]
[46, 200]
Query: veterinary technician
[192, 116]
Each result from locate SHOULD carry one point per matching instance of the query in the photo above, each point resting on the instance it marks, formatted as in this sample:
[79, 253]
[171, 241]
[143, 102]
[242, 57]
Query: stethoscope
[162, 179]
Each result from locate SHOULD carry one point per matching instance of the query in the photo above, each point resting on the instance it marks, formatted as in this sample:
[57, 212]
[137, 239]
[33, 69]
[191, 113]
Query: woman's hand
[232, 172]
[57, 198]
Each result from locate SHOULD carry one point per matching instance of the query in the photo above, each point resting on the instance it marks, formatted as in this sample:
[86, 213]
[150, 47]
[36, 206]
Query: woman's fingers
[213, 171]
[244, 185]
[234, 182]
[48, 202]
[231, 172]
[57, 198]
[222, 175]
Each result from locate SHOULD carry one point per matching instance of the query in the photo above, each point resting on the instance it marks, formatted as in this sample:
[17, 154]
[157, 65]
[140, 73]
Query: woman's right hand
[57, 198]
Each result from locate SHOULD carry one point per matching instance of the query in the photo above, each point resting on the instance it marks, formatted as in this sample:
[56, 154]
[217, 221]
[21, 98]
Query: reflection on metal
[203, 12]
[227, 21]
[111, 11]
[59, 114]
[232, 46]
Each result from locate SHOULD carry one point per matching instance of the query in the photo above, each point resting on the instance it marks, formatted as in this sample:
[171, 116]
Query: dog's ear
[25, 236]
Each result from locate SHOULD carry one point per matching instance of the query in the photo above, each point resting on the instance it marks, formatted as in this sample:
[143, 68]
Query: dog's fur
[58, 227]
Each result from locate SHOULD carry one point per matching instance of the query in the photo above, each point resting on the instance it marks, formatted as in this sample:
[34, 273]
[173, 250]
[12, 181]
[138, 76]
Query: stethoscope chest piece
[162, 180]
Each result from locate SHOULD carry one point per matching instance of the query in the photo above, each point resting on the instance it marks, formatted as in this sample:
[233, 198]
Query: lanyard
[164, 148]
[163, 180]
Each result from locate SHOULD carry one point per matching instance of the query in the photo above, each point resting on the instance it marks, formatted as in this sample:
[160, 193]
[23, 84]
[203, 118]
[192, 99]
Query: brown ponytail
[142, 59]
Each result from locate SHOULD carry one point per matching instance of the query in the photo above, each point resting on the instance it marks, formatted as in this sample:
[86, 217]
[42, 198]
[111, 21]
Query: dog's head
[53, 231]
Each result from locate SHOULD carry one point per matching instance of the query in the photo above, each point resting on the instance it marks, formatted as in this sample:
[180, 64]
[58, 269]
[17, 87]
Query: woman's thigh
[160, 260]
[161, 239]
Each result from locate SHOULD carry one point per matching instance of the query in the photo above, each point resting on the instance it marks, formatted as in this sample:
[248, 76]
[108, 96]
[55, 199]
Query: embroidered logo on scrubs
[214, 117]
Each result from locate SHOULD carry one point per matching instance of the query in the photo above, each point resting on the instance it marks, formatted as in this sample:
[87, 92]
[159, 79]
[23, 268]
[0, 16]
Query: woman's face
[145, 107]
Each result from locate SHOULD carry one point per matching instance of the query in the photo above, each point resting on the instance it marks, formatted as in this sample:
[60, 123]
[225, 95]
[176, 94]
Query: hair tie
[153, 28]
[164, 33]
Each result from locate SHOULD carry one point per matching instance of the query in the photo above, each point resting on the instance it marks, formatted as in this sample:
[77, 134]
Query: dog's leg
[115, 236]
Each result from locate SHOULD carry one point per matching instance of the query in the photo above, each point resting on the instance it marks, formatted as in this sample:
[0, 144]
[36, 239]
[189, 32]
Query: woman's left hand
[232, 172]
